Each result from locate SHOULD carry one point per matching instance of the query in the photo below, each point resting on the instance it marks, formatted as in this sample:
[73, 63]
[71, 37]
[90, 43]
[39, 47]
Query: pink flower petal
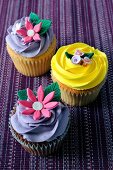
[31, 95]
[28, 39]
[22, 32]
[36, 115]
[28, 111]
[86, 61]
[25, 103]
[50, 105]
[78, 52]
[46, 113]
[49, 97]
[37, 27]
[40, 93]
[28, 24]
[36, 37]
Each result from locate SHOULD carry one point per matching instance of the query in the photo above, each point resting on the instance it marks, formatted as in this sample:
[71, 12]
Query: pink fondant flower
[78, 52]
[30, 33]
[86, 61]
[38, 105]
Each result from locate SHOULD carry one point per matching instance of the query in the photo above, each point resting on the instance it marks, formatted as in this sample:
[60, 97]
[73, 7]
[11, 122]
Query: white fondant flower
[17, 27]
[76, 59]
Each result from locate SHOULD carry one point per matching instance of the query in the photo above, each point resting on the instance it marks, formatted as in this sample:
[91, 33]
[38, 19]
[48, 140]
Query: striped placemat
[89, 144]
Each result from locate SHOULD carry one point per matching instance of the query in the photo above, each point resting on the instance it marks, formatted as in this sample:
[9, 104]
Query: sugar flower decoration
[78, 52]
[76, 59]
[30, 32]
[32, 29]
[38, 105]
[18, 26]
[80, 58]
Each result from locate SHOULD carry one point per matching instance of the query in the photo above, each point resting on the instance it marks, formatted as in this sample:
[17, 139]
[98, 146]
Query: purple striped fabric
[89, 144]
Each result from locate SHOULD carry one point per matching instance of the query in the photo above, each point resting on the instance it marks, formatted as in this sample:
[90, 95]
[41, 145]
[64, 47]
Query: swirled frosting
[31, 49]
[77, 76]
[44, 129]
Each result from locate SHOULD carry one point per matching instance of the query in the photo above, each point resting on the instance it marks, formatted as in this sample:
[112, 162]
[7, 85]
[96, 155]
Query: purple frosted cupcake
[31, 43]
[39, 121]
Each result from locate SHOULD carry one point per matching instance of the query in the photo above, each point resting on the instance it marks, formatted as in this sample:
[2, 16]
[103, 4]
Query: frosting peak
[78, 76]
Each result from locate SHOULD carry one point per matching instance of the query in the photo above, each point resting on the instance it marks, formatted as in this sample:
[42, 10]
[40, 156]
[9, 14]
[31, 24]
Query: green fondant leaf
[22, 94]
[89, 55]
[68, 55]
[53, 87]
[34, 18]
[45, 26]
[46, 23]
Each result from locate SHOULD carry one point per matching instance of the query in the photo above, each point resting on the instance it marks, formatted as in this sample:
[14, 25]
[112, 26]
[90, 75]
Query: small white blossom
[76, 59]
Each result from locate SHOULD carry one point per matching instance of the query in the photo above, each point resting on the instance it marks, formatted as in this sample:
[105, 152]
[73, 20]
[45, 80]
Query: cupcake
[80, 71]
[39, 121]
[31, 44]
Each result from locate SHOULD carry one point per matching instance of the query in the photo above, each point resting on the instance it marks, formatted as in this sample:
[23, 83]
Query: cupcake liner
[78, 97]
[35, 66]
[39, 148]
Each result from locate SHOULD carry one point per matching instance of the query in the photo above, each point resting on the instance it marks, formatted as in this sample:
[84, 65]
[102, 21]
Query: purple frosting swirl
[44, 129]
[31, 49]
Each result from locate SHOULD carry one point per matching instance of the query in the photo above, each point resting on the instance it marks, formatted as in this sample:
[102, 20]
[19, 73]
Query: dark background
[89, 144]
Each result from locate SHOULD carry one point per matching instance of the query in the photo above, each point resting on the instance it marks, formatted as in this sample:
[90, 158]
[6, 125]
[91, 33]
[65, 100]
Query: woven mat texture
[89, 143]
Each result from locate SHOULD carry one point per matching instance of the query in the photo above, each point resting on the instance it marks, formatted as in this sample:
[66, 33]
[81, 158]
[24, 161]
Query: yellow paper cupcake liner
[35, 66]
[75, 97]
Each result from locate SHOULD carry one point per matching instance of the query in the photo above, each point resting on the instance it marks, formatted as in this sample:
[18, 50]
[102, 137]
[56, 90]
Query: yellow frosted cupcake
[80, 71]
[31, 44]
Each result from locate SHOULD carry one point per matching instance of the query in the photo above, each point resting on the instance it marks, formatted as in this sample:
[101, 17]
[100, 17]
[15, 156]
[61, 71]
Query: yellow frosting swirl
[78, 76]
